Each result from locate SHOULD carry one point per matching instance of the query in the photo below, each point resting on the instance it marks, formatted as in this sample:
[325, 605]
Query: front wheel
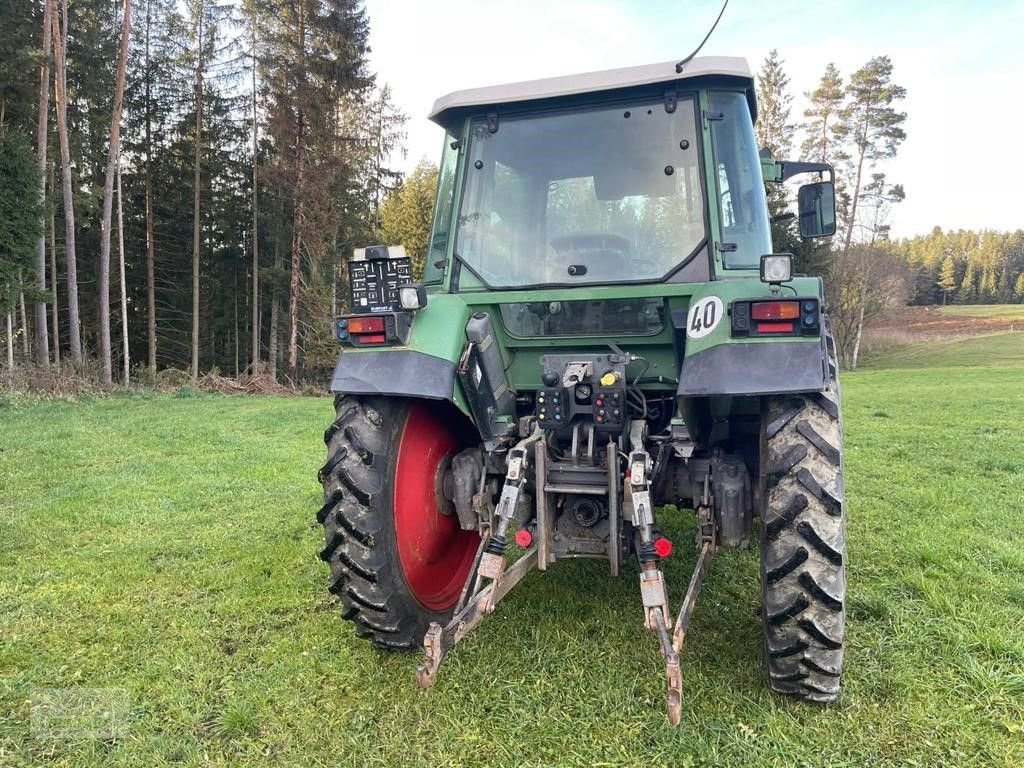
[398, 557]
[803, 543]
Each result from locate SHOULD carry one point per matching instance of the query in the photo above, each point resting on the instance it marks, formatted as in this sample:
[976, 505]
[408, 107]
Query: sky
[962, 63]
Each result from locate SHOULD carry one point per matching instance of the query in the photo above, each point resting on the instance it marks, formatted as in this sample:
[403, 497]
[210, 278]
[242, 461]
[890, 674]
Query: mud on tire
[803, 543]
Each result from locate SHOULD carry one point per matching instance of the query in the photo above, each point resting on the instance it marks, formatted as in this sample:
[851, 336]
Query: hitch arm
[690, 601]
[439, 640]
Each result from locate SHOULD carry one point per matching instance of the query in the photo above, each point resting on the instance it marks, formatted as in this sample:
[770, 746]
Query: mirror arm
[792, 168]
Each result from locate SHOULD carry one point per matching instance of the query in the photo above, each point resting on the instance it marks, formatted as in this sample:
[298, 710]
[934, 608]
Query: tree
[822, 117]
[872, 125]
[18, 60]
[774, 104]
[316, 54]
[113, 159]
[947, 277]
[255, 332]
[59, 34]
[387, 127]
[775, 132]
[863, 286]
[407, 214]
[150, 249]
[42, 143]
[198, 11]
[19, 222]
[1018, 288]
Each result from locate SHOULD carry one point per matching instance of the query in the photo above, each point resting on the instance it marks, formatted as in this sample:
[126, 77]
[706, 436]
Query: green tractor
[601, 330]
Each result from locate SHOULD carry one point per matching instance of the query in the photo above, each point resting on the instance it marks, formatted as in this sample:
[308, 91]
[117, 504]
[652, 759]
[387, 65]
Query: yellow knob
[609, 379]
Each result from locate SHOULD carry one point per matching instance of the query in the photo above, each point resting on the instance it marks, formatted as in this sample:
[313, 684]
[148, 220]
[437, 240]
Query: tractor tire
[803, 542]
[397, 555]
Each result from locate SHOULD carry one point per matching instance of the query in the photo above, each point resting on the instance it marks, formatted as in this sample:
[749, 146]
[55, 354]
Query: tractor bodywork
[597, 333]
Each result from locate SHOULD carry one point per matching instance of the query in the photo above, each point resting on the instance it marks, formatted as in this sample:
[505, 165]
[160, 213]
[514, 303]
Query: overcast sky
[962, 64]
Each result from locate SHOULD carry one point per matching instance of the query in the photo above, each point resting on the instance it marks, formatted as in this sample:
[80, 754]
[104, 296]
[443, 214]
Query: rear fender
[715, 364]
[425, 367]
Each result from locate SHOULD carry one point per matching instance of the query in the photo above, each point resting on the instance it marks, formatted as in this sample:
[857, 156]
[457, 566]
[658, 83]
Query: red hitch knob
[662, 546]
[524, 538]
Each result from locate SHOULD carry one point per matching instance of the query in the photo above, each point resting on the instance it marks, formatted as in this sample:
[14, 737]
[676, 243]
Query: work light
[777, 268]
[412, 296]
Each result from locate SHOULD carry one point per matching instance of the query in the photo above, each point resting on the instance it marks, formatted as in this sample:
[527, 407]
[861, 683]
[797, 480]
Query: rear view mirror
[817, 205]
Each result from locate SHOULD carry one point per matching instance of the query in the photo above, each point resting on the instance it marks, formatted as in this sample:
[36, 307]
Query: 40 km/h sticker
[704, 316]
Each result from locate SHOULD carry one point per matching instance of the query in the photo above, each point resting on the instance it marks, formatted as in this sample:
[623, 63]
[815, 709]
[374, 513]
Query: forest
[183, 183]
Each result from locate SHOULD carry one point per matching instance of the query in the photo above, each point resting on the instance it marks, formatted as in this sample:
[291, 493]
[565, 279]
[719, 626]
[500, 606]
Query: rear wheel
[803, 543]
[398, 557]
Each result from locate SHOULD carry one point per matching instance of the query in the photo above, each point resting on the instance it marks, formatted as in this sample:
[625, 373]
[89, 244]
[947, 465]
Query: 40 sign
[704, 315]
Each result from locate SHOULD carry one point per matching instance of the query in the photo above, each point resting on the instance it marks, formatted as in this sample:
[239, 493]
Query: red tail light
[775, 310]
[774, 327]
[366, 325]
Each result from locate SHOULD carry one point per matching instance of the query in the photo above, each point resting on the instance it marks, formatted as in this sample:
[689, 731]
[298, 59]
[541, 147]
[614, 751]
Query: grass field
[1003, 311]
[954, 336]
[993, 350]
[162, 546]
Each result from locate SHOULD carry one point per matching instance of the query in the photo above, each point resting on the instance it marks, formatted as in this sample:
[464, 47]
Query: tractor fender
[404, 372]
[754, 368]
[715, 363]
[424, 367]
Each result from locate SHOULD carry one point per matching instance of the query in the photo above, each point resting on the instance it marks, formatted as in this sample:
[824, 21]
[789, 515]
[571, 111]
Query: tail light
[368, 330]
[364, 325]
[772, 317]
[774, 310]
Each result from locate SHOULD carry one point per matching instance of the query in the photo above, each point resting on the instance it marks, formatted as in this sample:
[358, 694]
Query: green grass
[1002, 311]
[994, 349]
[163, 546]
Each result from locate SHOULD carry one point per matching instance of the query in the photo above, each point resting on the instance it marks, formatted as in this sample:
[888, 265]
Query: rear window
[607, 317]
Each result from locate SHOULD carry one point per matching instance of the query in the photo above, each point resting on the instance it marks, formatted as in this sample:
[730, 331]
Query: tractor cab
[637, 175]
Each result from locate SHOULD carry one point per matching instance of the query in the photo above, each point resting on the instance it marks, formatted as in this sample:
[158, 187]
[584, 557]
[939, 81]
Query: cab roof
[593, 82]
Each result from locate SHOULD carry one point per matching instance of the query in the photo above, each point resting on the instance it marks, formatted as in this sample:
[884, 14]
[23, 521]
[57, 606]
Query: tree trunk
[42, 335]
[150, 256]
[195, 198]
[10, 342]
[113, 161]
[60, 93]
[124, 288]
[55, 331]
[297, 213]
[236, 325]
[857, 335]
[275, 303]
[255, 354]
[862, 147]
[24, 321]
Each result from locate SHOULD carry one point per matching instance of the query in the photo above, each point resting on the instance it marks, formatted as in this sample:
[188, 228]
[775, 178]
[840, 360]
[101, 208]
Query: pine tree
[42, 144]
[873, 127]
[60, 36]
[947, 277]
[113, 160]
[316, 53]
[19, 222]
[775, 132]
[774, 104]
[408, 213]
[822, 116]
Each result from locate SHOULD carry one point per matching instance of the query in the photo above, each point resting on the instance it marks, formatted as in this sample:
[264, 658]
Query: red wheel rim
[435, 553]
